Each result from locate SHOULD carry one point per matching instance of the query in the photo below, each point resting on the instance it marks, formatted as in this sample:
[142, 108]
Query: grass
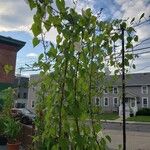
[139, 118]
[107, 116]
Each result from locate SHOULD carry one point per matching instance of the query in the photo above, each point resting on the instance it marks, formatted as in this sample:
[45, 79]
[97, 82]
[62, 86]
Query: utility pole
[123, 92]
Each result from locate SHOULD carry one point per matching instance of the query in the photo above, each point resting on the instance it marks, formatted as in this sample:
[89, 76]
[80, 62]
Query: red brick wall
[7, 56]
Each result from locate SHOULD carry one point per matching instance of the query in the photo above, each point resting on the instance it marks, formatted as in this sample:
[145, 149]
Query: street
[135, 140]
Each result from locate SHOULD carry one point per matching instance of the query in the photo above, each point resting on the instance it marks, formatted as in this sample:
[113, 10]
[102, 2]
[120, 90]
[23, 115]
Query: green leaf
[88, 12]
[47, 24]
[109, 50]
[35, 41]
[115, 37]
[123, 25]
[142, 16]
[64, 143]
[116, 71]
[130, 30]
[36, 29]
[129, 45]
[8, 68]
[108, 138]
[126, 62]
[136, 38]
[134, 67]
[41, 56]
[59, 39]
[132, 20]
[129, 39]
[129, 56]
[60, 5]
[32, 4]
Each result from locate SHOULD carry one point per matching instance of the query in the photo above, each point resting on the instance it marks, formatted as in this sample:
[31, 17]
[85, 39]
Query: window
[144, 90]
[25, 95]
[145, 102]
[115, 101]
[32, 104]
[105, 91]
[97, 101]
[115, 90]
[18, 95]
[106, 101]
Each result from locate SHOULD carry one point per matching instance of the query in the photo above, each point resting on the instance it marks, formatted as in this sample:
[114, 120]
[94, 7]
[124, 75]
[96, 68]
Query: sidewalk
[120, 120]
[135, 140]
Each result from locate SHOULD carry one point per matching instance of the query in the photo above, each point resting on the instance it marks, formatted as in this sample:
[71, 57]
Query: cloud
[15, 15]
[33, 55]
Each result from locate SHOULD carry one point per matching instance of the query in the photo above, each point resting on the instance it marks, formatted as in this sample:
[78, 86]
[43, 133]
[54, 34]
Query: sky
[16, 21]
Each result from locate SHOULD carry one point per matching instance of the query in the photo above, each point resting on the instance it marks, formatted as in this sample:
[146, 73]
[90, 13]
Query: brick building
[8, 52]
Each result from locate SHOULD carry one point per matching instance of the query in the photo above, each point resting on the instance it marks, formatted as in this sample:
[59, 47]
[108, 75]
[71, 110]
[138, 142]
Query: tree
[73, 73]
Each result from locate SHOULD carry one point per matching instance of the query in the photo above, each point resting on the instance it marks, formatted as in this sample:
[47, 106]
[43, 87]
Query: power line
[143, 68]
[142, 42]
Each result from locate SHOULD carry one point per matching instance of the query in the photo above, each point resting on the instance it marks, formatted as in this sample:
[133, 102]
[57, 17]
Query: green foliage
[35, 41]
[7, 96]
[12, 130]
[143, 112]
[72, 70]
[60, 5]
[140, 118]
[2, 125]
[142, 16]
[8, 68]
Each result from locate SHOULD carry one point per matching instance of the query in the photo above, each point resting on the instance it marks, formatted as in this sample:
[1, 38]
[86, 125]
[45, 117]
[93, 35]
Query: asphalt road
[138, 127]
[135, 140]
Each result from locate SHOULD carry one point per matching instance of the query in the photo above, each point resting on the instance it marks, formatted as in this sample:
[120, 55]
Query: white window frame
[114, 90]
[96, 101]
[114, 101]
[104, 101]
[143, 102]
[143, 90]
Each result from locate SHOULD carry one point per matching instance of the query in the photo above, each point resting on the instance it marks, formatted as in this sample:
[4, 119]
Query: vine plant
[73, 72]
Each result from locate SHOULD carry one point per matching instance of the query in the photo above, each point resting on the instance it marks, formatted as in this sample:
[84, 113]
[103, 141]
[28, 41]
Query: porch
[130, 105]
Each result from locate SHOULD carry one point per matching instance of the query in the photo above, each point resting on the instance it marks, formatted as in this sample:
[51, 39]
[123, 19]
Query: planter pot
[3, 140]
[13, 146]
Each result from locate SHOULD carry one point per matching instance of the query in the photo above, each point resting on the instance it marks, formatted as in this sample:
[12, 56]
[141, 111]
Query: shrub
[143, 112]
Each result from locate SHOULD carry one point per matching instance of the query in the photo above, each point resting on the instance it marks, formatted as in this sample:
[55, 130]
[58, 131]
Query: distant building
[8, 52]
[137, 94]
[21, 85]
[32, 92]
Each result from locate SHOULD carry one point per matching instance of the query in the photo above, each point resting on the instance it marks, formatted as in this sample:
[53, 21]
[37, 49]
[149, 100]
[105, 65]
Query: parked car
[24, 115]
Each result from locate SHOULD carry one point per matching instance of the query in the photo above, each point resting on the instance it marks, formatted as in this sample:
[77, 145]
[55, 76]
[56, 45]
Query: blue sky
[16, 20]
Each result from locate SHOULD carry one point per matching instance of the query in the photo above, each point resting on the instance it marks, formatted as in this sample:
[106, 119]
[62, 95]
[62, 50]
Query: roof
[13, 42]
[136, 79]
